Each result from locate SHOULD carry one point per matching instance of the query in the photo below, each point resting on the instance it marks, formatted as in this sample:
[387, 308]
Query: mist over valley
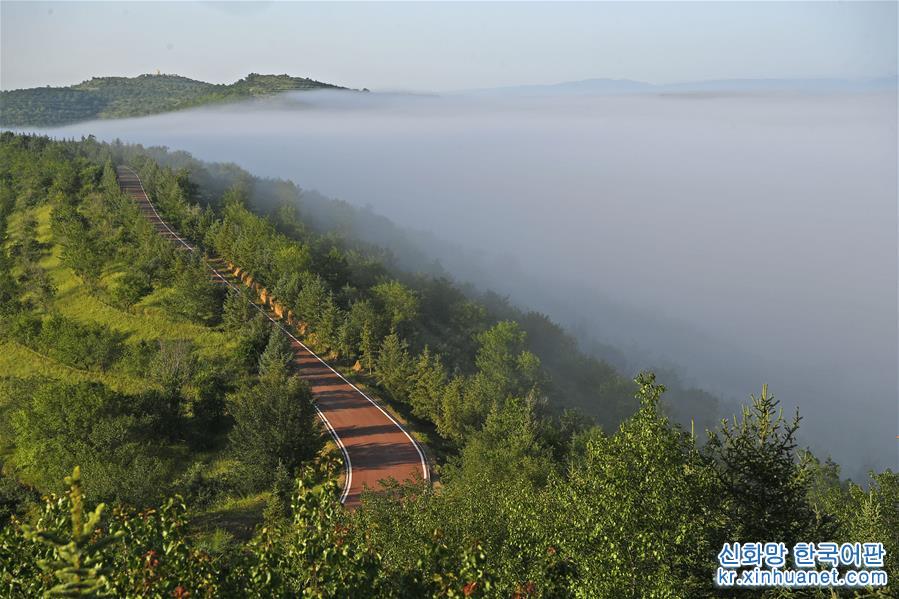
[730, 238]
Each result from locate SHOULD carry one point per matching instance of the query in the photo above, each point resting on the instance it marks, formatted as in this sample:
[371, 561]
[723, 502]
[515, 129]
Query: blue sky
[443, 46]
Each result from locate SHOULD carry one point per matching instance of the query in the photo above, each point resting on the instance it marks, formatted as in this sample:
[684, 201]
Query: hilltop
[118, 97]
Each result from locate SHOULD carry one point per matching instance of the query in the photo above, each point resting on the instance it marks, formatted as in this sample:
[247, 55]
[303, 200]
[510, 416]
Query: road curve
[375, 446]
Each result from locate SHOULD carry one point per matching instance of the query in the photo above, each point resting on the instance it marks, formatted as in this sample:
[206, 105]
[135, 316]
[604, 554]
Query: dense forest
[117, 97]
[155, 443]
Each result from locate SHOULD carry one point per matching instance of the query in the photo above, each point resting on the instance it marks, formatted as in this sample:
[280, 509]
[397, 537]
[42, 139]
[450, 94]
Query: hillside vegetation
[118, 97]
[156, 444]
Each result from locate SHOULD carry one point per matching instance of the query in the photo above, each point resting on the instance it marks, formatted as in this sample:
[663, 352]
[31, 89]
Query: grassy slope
[147, 321]
[117, 97]
[231, 515]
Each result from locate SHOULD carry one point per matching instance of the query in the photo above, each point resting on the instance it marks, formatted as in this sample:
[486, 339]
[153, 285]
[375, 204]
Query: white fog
[737, 238]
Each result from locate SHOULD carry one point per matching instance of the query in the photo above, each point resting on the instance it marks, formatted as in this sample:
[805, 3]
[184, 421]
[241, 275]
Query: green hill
[118, 97]
[125, 366]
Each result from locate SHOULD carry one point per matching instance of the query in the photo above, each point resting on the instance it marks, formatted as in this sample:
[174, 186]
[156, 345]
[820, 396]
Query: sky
[446, 46]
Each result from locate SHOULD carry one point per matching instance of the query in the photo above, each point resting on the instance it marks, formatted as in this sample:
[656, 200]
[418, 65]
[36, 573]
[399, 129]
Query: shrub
[274, 421]
[87, 346]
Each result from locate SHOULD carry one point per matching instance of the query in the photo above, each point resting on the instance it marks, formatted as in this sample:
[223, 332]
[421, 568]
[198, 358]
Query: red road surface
[374, 445]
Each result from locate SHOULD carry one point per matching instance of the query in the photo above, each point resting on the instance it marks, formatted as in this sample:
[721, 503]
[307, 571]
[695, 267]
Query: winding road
[375, 446]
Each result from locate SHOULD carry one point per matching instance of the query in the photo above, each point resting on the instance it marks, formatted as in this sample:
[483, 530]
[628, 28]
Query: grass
[231, 517]
[147, 320]
[235, 516]
[18, 361]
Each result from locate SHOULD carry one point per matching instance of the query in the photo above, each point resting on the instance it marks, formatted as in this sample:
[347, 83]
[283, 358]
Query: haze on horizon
[446, 45]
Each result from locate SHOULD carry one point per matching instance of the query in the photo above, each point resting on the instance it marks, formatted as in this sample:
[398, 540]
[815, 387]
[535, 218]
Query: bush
[24, 327]
[131, 287]
[274, 422]
[88, 424]
[86, 346]
[137, 357]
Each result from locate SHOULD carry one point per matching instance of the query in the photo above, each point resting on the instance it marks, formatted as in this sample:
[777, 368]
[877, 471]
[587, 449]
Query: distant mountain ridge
[600, 86]
[118, 97]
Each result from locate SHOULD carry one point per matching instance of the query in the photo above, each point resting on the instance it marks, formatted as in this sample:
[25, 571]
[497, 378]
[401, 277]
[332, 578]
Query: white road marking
[349, 468]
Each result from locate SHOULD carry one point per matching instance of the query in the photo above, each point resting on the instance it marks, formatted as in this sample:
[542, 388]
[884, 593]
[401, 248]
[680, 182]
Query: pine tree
[236, 311]
[394, 367]
[326, 331]
[766, 490]
[278, 354]
[78, 563]
[367, 351]
[429, 380]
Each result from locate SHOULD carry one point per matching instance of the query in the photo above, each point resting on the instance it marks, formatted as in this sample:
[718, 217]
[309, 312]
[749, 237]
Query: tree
[346, 343]
[252, 340]
[399, 302]
[278, 354]
[109, 181]
[312, 298]
[394, 367]
[327, 328]
[427, 386]
[367, 349]
[132, 286]
[636, 510]
[37, 282]
[236, 310]
[453, 422]
[109, 435]
[80, 250]
[765, 489]
[78, 559]
[174, 364]
[315, 554]
[361, 332]
[195, 295]
[9, 287]
[274, 421]
[507, 366]
[505, 370]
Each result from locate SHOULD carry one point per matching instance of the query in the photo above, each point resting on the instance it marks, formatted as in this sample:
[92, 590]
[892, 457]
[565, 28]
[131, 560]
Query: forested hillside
[574, 376]
[117, 97]
[127, 376]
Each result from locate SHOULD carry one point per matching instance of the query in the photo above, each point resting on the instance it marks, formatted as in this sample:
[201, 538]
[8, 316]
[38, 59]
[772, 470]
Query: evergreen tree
[427, 386]
[327, 327]
[195, 295]
[278, 354]
[453, 422]
[399, 302]
[274, 421]
[367, 349]
[394, 367]
[236, 310]
[765, 490]
[78, 561]
[311, 299]
[9, 287]
[657, 540]
[80, 251]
